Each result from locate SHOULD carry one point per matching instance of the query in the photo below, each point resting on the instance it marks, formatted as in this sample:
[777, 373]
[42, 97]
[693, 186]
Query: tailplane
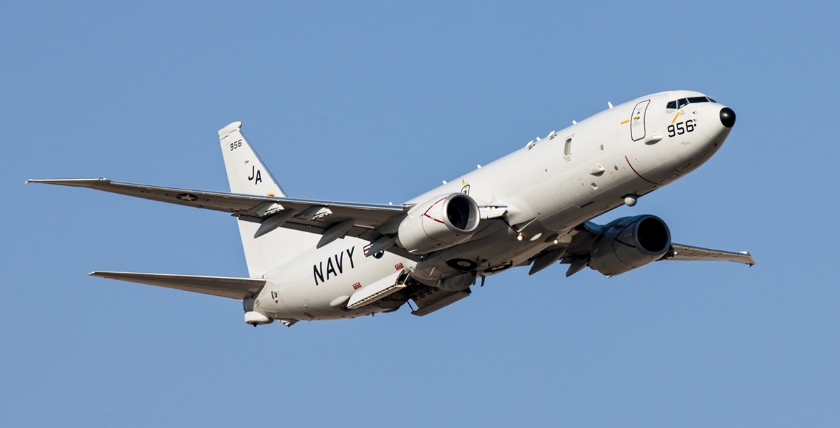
[234, 288]
[248, 175]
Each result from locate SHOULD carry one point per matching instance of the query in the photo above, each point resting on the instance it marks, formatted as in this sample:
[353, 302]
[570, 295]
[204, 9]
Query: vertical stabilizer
[248, 175]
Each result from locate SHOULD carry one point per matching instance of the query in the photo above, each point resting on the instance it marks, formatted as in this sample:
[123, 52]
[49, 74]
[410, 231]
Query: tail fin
[248, 175]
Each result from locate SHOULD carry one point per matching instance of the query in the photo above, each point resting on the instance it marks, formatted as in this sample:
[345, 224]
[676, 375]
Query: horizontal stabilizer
[688, 253]
[234, 288]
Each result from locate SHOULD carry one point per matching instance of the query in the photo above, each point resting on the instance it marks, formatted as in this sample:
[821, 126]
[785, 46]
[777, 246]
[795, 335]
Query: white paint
[535, 191]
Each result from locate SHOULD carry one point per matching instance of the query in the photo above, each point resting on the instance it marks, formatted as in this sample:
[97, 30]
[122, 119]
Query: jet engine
[439, 223]
[629, 243]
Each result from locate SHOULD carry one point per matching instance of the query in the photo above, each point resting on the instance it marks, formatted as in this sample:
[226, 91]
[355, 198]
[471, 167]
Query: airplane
[324, 260]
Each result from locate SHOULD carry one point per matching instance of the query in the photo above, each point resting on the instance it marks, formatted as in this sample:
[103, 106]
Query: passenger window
[671, 105]
[567, 149]
[682, 103]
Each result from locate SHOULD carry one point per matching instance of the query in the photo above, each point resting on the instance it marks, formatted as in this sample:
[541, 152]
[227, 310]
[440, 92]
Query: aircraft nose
[727, 117]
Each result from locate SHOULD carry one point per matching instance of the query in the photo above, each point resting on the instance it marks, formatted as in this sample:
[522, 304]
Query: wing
[332, 219]
[577, 252]
[234, 288]
[687, 253]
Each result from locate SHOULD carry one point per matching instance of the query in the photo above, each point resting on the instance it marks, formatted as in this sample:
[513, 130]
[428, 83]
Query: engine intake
[439, 223]
[629, 243]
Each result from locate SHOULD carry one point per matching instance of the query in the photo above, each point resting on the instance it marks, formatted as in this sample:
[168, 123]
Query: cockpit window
[682, 102]
[710, 99]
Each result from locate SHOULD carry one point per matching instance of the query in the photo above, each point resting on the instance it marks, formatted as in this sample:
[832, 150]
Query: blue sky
[378, 102]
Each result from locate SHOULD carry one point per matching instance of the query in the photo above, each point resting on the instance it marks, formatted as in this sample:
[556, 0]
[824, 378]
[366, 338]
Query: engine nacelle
[439, 223]
[630, 243]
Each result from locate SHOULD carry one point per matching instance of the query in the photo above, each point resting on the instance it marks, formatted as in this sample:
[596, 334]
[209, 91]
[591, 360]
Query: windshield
[682, 102]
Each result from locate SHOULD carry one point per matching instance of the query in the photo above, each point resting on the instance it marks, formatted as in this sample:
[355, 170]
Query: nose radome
[727, 117]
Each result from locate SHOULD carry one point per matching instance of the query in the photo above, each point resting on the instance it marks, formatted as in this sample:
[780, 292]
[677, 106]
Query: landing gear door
[637, 121]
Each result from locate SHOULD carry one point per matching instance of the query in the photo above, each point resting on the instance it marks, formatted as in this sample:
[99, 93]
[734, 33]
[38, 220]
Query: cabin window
[567, 149]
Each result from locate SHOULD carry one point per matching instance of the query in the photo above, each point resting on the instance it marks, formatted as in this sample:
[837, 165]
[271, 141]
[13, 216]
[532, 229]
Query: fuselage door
[637, 121]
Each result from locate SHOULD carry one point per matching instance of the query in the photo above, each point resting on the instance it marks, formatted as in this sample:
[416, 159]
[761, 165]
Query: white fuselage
[549, 187]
